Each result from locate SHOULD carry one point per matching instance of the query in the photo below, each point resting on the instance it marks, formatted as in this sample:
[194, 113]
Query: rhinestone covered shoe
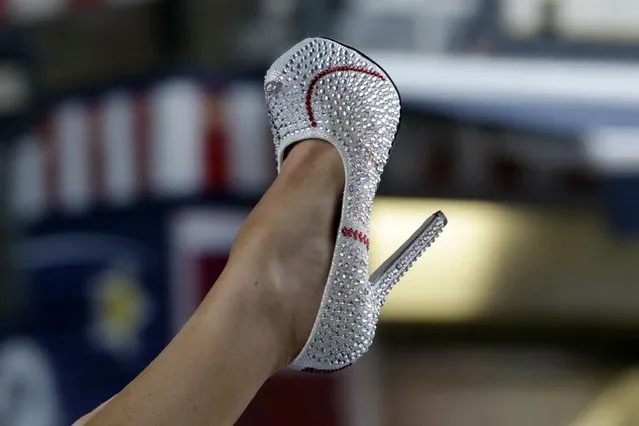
[321, 89]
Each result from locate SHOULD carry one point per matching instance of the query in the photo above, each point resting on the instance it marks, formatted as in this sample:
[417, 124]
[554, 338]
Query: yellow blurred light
[540, 263]
[454, 279]
[616, 405]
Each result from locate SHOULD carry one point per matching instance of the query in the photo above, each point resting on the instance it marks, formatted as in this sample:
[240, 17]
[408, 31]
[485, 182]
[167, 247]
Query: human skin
[259, 313]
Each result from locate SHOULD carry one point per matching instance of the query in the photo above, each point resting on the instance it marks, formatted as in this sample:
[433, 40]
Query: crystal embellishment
[272, 87]
[331, 92]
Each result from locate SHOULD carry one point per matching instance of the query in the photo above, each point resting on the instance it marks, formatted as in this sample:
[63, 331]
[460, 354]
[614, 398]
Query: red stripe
[298, 399]
[141, 131]
[4, 11]
[96, 151]
[51, 173]
[215, 144]
[318, 76]
[209, 268]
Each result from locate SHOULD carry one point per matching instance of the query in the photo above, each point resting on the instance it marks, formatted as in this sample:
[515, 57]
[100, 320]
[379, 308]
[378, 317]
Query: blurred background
[134, 141]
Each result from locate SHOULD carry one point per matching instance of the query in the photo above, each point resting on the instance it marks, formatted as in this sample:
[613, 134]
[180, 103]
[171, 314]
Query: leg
[259, 313]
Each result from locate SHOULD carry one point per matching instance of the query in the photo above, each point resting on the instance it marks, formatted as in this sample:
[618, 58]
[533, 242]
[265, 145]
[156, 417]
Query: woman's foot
[291, 234]
[321, 89]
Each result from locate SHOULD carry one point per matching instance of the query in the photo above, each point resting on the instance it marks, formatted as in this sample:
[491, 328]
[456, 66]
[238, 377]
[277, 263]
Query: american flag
[178, 138]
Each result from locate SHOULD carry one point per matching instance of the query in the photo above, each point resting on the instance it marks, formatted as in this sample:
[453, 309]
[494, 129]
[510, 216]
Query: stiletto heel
[388, 274]
[321, 89]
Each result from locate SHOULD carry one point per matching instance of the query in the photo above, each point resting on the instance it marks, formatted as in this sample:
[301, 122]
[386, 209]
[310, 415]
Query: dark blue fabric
[622, 193]
[59, 312]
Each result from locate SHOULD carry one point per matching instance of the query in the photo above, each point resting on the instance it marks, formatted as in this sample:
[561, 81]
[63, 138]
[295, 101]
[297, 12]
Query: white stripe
[27, 178]
[119, 149]
[614, 150]
[72, 134]
[251, 159]
[176, 137]
[35, 9]
[421, 78]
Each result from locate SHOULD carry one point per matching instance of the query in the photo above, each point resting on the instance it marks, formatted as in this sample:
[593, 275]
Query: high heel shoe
[321, 89]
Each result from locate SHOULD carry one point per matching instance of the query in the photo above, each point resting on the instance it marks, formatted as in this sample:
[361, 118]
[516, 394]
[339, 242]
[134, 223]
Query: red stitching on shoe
[357, 235]
[318, 76]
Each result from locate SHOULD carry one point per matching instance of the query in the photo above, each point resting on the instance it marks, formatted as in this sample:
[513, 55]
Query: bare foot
[292, 232]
